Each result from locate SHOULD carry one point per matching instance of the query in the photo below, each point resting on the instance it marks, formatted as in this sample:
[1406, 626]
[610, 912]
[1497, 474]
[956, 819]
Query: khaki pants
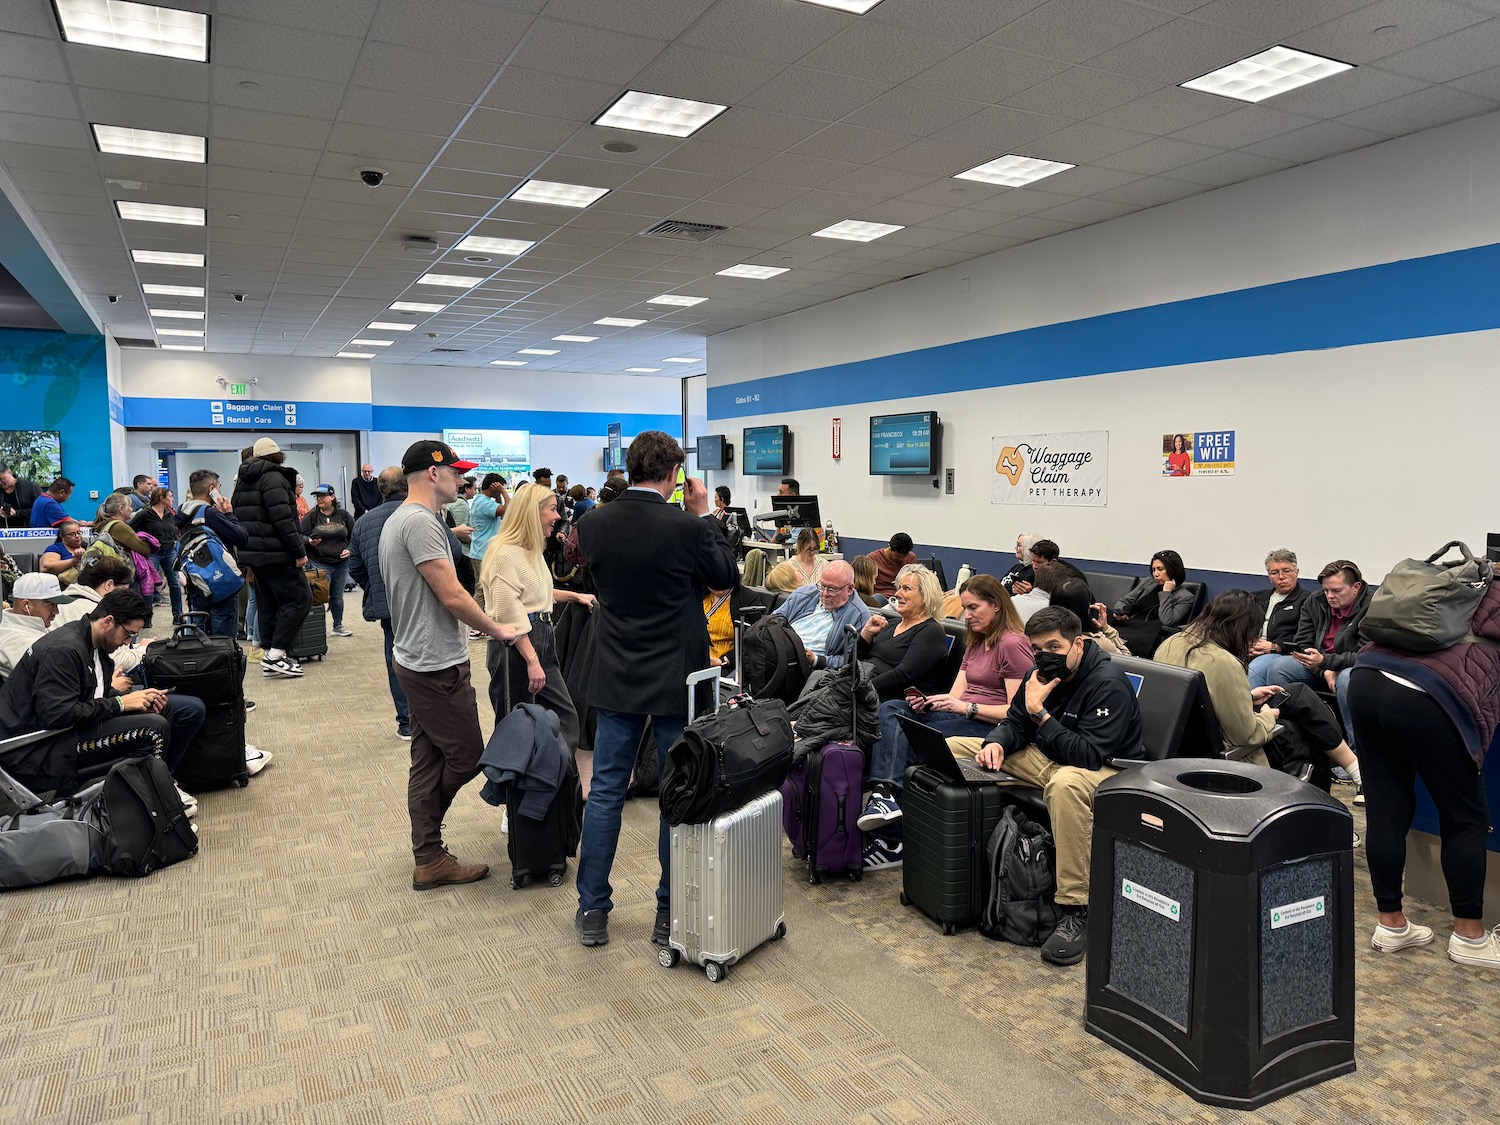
[1069, 793]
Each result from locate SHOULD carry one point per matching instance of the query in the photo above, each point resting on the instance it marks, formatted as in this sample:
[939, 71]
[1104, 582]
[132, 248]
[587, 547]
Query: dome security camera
[372, 177]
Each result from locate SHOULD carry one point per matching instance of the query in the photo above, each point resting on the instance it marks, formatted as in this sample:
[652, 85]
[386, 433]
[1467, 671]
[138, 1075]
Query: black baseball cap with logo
[424, 454]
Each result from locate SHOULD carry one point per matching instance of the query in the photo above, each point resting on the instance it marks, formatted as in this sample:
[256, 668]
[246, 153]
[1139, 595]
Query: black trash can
[1221, 928]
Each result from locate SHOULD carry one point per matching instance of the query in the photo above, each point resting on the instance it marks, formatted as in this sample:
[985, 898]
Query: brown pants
[445, 749]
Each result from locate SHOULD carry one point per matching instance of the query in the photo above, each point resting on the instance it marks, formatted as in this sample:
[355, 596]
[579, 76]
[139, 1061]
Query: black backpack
[144, 823]
[1023, 881]
[773, 661]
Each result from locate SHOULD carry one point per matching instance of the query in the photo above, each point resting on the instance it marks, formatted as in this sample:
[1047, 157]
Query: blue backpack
[204, 563]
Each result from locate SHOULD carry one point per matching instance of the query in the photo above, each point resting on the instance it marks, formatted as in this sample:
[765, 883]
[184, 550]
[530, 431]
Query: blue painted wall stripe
[1433, 296]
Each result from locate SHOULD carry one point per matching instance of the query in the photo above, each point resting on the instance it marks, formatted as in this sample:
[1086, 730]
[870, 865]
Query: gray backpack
[1425, 605]
[41, 842]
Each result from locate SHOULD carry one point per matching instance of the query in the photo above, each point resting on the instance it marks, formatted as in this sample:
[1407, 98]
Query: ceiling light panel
[372, 343]
[173, 290]
[161, 213]
[452, 280]
[619, 322]
[148, 142]
[644, 370]
[557, 195]
[858, 7]
[679, 299]
[356, 355]
[576, 339]
[143, 28]
[177, 314]
[182, 347]
[507, 363]
[166, 258]
[510, 246]
[641, 112]
[539, 351]
[1273, 71]
[189, 332]
[682, 359]
[759, 273]
[390, 326]
[416, 307]
[1012, 170]
[852, 230]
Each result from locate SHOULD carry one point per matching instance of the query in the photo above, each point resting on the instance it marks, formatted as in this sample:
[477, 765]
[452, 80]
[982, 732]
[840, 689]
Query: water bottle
[965, 572]
[830, 538]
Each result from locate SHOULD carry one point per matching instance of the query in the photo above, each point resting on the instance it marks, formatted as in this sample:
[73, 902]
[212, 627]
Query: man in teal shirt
[486, 511]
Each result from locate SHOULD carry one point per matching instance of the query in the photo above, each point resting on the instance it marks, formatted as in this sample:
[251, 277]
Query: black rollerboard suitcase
[190, 662]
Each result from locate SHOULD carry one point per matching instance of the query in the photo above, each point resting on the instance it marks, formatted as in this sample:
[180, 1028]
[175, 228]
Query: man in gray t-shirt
[430, 616]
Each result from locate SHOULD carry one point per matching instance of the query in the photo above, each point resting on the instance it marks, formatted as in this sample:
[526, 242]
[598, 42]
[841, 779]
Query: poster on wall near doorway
[1069, 470]
[32, 454]
[1203, 453]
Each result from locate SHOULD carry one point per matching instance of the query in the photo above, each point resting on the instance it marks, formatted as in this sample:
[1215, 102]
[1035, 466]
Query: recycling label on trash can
[1151, 900]
[1294, 912]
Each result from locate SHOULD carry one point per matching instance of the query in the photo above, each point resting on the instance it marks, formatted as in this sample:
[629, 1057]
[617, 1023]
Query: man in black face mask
[1076, 711]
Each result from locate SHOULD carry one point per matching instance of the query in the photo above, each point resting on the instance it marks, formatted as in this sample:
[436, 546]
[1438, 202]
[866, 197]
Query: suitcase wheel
[949, 929]
[857, 875]
[517, 882]
[666, 958]
[905, 899]
[555, 879]
[715, 972]
[780, 931]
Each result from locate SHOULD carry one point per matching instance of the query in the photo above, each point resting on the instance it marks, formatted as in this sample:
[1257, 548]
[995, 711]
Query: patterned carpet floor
[288, 973]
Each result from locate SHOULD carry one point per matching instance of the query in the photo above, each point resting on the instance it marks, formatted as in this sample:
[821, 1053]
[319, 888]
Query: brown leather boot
[445, 871]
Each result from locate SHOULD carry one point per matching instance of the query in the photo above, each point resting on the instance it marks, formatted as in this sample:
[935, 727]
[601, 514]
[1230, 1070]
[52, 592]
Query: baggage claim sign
[1054, 469]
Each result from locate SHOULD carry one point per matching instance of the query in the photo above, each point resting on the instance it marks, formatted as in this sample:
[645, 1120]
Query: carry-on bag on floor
[311, 642]
[822, 800]
[41, 842]
[190, 662]
[945, 829]
[724, 877]
[143, 820]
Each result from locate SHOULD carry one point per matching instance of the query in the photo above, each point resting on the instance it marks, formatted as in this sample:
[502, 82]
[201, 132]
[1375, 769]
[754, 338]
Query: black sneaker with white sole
[1070, 941]
[283, 666]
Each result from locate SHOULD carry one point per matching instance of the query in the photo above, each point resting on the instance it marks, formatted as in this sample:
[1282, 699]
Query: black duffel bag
[725, 760]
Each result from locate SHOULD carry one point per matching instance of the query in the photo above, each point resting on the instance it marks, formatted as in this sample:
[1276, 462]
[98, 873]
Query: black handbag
[725, 760]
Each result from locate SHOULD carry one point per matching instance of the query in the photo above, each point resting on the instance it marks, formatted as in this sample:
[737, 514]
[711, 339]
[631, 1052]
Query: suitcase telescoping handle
[694, 679]
[851, 641]
[188, 628]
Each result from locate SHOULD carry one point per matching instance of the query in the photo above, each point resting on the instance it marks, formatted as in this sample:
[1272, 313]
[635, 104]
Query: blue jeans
[252, 618]
[338, 574]
[617, 736]
[398, 694]
[186, 714]
[164, 563]
[893, 753]
[223, 615]
[1274, 670]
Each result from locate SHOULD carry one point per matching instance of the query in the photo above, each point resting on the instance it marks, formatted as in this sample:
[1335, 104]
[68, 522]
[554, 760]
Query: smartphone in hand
[1277, 698]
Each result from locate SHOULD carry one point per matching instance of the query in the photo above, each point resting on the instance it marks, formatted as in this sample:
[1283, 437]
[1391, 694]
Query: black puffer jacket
[823, 714]
[264, 503]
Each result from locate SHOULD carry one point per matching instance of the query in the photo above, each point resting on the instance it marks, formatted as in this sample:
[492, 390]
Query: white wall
[152, 374]
[330, 457]
[1372, 452]
[114, 377]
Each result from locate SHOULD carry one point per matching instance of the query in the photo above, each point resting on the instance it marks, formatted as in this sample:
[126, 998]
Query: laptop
[931, 747]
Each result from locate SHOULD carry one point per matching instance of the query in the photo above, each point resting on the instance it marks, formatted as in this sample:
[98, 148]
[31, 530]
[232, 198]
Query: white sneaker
[189, 802]
[1485, 951]
[256, 759]
[504, 822]
[1387, 940]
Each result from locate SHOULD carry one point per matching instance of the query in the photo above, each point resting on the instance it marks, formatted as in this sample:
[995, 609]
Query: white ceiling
[832, 116]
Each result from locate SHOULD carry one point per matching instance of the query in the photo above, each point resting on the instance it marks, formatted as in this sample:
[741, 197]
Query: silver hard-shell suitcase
[724, 878]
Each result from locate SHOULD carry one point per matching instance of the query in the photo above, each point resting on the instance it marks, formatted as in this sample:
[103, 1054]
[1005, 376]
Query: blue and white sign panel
[252, 415]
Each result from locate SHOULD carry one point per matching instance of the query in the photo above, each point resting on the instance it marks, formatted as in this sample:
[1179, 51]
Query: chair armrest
[1124, 763]
[20, 796]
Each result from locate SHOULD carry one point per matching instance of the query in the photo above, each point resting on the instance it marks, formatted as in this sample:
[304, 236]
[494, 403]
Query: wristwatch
[973, 711]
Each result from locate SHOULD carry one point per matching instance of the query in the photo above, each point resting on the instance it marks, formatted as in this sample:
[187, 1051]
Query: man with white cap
[265, 504]
[34, 602]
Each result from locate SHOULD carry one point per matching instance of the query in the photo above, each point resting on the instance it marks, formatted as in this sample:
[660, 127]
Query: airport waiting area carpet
[288, 973]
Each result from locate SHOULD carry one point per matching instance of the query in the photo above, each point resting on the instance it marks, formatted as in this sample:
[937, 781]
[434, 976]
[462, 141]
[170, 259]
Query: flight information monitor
[905, 445]
[766, 451]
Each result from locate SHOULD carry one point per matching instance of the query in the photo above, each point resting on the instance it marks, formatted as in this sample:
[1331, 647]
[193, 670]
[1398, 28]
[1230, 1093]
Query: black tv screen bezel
[934, 445]
[786, 452]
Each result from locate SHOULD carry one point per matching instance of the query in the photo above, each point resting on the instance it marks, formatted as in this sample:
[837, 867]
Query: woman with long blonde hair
[518, 591]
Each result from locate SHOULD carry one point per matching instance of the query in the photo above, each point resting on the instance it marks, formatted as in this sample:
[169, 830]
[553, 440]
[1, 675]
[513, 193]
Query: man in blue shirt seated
[63, 555]
[819, 613]
[48, 511]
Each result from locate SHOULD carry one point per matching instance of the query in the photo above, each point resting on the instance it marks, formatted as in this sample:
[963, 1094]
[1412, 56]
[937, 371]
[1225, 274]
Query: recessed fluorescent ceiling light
[1273, 71]
[682, 359]
[166, 258]
[191, 332]
[144, 28]
[644, 370]
[760, 273]
[177, 314]
[858, 7]
[656, 113]
[160, 213]
[495, 245]
[390, 326]
[452, 280]
[676, 299]
[173, 290]
[182, 347]
[416, 307]
[558, 195]
[619, 322]
[853, 230]
[507, 363]
[147, 142]
[356, 355]
[539, 351]
[1011, 170]
[576, 339]
[372, 343]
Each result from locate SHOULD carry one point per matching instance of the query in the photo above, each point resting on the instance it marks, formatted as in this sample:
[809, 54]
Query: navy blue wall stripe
[1432, 296]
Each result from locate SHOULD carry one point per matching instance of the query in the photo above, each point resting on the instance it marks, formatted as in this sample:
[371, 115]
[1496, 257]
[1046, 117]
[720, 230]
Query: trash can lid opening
[1213, 781]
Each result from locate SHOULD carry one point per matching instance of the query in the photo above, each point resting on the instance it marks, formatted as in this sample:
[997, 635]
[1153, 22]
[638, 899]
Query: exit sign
[239, 388]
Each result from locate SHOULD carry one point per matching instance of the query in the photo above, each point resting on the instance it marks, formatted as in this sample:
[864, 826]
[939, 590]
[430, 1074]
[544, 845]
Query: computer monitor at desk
[797, 511]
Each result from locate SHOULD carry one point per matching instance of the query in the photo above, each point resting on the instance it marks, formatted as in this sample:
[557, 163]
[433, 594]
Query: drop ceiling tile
[1325, 138]
[1086, 180]
[28, 129]
[852, 144]
[1151, 191]
[251, 45]
[28, 20]
[268, 128]
[1020, 201]
[760, 128]
[954, 193]
[1166, 111]
[865, 49]
[346, 17]
[957, 19]
[882, 183]
[675, 184]
[516, 130]
[1076, 30]
[519, 90]
[46, 158]
[913, 111]
[670, 19]
[378, 144]
[1000, 129]
[714, 159]
[1486, 83]
[261, 183]
[938, 158]
[1083, 143]
[1085, 211]
[274, 93]
[765, 29]
[1272, 19]
[403, 112]
[585, 52]
[471, 156]
[442, 76]
[151, 172]
[233, 156]
[1436, 105]
[1453, 56]
[804, 171]
[467, 28]
[1228, 168]
[1352, 38]
[1180, 50]
[1245, 126]
[43, 99]
[959, 250]
[756, 193]
[987, 74]
[963, 220]
[1160, 154]
[814, 93]
[835, 205]
[1347, 92]
[635, 203]
[1031, 228]
[686, 71]
[41, 60]
[447, 203]
[1083, 92]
